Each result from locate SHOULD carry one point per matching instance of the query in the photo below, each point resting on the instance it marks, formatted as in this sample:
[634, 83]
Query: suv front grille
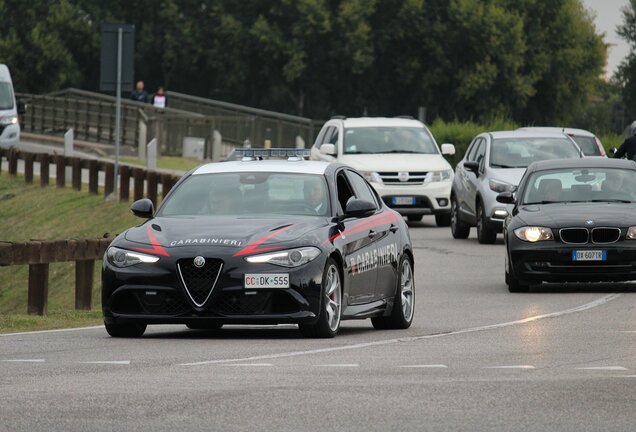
[199, 282]
[393, 178]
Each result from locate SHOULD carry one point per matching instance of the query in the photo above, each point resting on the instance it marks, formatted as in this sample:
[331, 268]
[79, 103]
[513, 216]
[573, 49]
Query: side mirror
[472, 166]
[328, 149]
[143, 208]
[506, 198]
[359, 208]
[22, 108]
[448, 149]
[613, 150]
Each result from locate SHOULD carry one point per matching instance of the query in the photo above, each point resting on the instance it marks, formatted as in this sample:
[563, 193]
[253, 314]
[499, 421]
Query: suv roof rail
[408, 117]
[338, 117]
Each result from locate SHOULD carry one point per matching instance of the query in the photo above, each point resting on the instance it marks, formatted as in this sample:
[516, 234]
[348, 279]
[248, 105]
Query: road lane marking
[249, 364]
[23, 361]
[426, 366]
[604, 368]
[581, 308]
[110, 362]
[341, 365]
[51, 331]
[511, 367]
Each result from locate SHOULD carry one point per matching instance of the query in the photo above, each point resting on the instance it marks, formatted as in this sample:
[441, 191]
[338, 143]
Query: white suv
[398, 156]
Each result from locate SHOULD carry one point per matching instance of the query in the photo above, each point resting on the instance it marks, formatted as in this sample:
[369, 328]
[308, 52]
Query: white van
[9, 126]
[399, 158]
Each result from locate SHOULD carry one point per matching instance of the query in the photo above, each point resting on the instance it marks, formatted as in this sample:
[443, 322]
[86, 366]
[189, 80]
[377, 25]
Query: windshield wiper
[494, 165]
[614, 200]
[543, 202]
[402, 151]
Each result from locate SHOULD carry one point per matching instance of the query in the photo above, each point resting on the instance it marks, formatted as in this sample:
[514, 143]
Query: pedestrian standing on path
[159, 100]
[139, 94]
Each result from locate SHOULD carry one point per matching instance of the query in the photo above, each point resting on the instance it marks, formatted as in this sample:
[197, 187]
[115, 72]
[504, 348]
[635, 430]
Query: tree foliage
[626, 75]
[529, 60]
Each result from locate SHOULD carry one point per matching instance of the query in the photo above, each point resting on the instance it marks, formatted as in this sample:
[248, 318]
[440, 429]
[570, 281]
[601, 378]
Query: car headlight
[438, 176]
[631, 233]
[534, 234]
[125, 258]
[287, 258]
[371, 177]
[5, 121]
[500, 186]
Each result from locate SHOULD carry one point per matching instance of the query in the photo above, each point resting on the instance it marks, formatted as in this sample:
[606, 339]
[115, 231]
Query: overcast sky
[608, 16]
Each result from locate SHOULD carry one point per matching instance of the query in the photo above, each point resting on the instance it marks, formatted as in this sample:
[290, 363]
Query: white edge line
[51, 331]
[113, 362]
[604, 368]
[583, 307]
[430, 366]
[248, 364]
[511, 367]
[23, 361]
[342, 365]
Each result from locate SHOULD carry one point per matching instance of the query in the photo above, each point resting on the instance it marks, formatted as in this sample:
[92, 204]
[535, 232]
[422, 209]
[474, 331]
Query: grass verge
[165, 162]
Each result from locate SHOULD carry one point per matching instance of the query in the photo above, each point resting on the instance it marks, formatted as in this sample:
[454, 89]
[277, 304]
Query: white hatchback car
[398, 156]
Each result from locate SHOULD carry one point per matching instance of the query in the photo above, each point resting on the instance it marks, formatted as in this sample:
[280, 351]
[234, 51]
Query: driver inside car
[315, 196]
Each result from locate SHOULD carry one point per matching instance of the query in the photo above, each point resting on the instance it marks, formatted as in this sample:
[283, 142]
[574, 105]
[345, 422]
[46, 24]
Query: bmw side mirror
[506, 198]
[359, 208]
[328, 149]
[143, 208]
[448, 149]
[472, 166]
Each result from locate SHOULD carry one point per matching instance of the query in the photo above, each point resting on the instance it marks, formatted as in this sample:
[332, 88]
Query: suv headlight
[125, 258]
[5, 121]
[438, 176]
[371, 177]
[534, 234]
[500, 186]
[286, 258]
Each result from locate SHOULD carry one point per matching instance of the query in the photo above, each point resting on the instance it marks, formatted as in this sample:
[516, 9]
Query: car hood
[578, 214]
[233, 232]
[508, 175]
[395, 162]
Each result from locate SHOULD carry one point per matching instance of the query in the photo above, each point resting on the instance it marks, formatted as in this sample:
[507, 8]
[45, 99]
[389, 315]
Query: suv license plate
[403, 200]
[589, 255]
[266, 280]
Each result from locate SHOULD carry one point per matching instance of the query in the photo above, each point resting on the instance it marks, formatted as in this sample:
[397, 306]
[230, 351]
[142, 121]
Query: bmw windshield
[249, 193]
[371, 140]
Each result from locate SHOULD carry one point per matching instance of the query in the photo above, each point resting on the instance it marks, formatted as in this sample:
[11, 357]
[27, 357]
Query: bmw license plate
[589, 255]
[266, 280]
[403, 200]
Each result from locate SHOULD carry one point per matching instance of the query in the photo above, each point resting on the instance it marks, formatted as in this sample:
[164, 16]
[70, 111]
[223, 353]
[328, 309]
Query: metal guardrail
[92, 116]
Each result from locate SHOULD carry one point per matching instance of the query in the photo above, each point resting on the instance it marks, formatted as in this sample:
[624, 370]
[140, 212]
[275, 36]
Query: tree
[626, 74]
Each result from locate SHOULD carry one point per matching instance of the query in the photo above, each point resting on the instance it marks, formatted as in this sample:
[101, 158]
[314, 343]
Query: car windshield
[580, 185]
[521, 152]
[388, 140]
[587, 144]
[6, 96]
[249, 193]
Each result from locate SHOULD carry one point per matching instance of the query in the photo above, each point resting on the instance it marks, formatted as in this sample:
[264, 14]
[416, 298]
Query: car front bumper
[9, 136]
[429, 198]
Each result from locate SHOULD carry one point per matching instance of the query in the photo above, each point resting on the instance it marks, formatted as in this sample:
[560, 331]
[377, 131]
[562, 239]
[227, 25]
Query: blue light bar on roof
[271, 152]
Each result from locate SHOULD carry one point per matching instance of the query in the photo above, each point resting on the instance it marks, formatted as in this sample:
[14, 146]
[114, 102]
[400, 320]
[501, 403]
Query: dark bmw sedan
[262, 242]
[573, 221]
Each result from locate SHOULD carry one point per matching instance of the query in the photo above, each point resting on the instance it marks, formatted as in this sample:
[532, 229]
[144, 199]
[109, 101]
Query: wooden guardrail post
[38, 280]
[93, 175]
[44, 169]
[84, 271]
[77, 173]
[13, 162]
[109, 180]
[60, 171]
[124, 181]
[138, 175]
[28, 168]
[2, 152]
[152, 187]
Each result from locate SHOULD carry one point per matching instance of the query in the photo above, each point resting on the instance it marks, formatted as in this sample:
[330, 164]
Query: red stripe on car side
[362, 225]
[253, 248]
[156, 249]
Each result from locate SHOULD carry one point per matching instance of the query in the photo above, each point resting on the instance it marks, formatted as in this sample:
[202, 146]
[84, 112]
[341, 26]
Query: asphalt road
[477, 358]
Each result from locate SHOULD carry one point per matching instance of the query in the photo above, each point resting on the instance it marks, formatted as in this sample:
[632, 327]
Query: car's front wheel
[328, 322]
[443, 220]
[459, 229]
[404, 302]
[125, 330]
[515, 285]
[485, 234]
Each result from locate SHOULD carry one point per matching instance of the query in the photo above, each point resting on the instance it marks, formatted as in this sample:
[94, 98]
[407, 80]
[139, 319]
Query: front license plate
[589, 255]
[266, 280]
[403, 200]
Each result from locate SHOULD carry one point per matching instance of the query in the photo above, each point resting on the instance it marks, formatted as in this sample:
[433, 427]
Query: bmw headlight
[534, 234]
[125, 258]
[631, 233]
[500, 186]
[5, 121]
[287, 258]
[438, 176]
[371, 177]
